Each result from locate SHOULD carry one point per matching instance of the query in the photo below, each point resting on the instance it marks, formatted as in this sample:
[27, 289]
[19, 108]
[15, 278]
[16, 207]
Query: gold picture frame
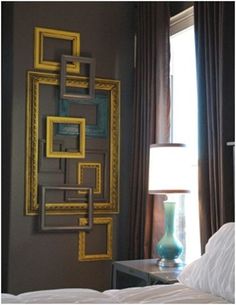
[39, 61]
[86, 165]
[51, 120]
[83, 256]
[34, 82]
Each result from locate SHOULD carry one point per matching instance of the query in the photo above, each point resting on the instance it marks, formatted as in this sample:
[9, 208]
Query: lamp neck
[169, 217]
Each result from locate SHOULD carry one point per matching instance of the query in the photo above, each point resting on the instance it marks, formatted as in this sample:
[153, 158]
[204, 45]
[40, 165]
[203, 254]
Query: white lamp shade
[168, 168]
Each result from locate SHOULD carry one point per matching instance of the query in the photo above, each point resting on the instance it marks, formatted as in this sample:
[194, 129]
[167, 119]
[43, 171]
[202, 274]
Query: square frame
[39, 35]
[82, 240]
[63, 84]
[49, 137]
[34, 82]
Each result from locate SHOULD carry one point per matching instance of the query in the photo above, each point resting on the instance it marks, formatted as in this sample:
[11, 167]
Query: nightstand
[143, 272]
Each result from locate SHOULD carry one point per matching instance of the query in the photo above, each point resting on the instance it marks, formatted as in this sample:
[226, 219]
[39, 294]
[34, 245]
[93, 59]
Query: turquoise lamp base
[169, 247]
[170, 263]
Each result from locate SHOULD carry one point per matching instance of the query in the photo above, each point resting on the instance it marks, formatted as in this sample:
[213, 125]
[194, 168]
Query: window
[184, 127]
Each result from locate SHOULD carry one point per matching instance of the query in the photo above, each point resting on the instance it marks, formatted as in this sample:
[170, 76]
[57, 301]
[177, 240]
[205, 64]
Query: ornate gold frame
[97, 167]
[40, 63]
[34, 80]
[82, 240]
[49, 137]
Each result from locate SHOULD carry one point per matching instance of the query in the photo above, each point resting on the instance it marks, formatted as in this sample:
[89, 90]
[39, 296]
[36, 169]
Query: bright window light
[184, 129]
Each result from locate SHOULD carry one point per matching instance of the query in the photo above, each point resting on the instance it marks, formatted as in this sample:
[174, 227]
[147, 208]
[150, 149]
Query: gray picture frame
[44, 227]
[91, 78]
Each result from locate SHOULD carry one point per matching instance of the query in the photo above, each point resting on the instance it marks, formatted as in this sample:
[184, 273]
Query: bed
[208, 280]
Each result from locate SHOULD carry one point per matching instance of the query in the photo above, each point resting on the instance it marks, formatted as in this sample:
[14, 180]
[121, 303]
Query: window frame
[181, 21]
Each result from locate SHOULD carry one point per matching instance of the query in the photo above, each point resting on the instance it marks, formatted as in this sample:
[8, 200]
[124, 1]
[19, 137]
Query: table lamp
[168, 174]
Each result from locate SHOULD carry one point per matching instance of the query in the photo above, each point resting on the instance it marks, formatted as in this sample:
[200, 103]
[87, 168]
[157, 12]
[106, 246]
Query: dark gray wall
[7, 25]
[32, 260]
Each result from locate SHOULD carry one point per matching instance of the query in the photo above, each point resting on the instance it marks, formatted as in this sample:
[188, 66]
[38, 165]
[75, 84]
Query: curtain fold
[214, 38]
[151, 118]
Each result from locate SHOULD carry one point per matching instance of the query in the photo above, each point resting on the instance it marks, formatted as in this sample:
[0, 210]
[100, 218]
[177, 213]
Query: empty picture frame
[36, 83]
[85, 227]
[65, 59]
[83, 256]
[41, 63]
[82, 166]
[97, 130]
[51, 120]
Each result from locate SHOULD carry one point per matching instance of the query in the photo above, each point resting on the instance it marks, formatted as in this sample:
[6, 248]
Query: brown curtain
[151, 122]
[214, 33]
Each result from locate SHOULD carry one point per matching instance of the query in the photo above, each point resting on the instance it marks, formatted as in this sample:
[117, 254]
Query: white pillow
[7, 298]
[214, 271]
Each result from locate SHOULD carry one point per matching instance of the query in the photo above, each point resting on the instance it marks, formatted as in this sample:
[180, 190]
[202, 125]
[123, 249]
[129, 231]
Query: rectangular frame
[49, 137]
[34, 80]
[39, 35]
[82, 240]
[85, 227]
[91, 77]
[95, 165]
[97, 131]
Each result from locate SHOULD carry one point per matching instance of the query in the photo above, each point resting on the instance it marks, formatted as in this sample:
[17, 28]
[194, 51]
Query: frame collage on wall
[72, 142]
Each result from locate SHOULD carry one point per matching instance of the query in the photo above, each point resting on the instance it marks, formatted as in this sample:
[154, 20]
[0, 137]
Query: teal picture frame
[98, 130]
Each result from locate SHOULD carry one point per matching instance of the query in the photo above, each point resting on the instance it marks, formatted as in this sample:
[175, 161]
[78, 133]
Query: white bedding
[162, 294]
[214, 272]
[57, 296]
